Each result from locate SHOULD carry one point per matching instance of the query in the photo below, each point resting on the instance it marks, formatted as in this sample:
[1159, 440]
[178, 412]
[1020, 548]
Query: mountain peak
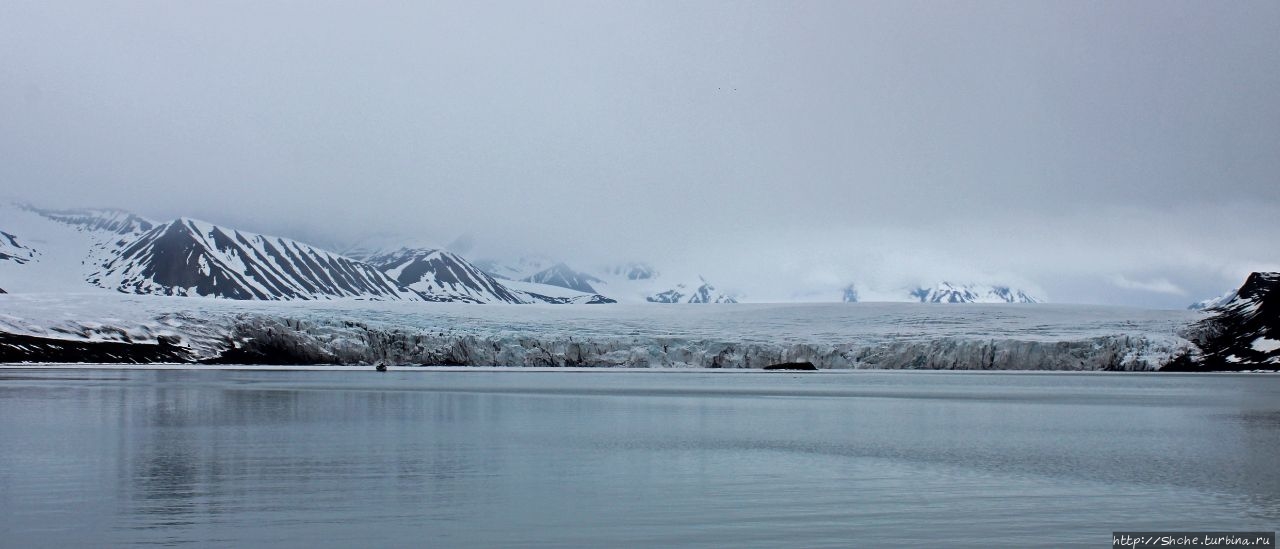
[564, 276]
[441, 275]
[704, 293]
[632, 271]
[1213, 302]
[188, 257]
[109, 220]
[947, 292]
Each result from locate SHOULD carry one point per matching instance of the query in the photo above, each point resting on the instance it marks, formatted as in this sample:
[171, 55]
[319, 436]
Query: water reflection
[324, 459]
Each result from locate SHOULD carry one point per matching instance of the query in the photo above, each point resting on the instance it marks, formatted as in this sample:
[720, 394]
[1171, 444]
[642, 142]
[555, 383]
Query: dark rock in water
[792, 366]
[381, 367]
[25, 348]
[1245, 332]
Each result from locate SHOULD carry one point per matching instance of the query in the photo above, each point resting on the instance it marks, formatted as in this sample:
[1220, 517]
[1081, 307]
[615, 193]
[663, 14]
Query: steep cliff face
[1244, 332]
[712, 336]
[292, 342]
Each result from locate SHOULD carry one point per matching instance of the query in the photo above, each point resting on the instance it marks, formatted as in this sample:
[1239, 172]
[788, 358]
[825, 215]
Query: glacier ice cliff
[831, 336]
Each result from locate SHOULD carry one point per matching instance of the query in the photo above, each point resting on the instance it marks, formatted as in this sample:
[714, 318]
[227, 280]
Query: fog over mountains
[120, 251]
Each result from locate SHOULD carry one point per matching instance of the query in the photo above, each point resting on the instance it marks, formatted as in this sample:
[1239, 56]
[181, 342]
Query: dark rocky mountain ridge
[1244, 332]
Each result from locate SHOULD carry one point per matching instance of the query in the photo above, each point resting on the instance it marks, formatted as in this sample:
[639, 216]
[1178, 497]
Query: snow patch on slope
[1265, 345]
[57, 256]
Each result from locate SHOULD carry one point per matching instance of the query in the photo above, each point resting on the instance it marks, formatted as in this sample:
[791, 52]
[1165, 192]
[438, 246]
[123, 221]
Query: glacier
[831, 336]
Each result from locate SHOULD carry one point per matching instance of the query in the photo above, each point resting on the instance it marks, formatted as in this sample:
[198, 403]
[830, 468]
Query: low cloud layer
[1156, 285]
[780, 148]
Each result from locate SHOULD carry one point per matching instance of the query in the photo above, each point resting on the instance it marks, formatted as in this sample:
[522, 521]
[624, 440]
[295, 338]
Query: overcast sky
[1101, 152]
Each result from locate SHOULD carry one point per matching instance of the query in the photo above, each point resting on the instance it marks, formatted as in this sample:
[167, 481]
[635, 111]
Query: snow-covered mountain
[100, 220]
[186, 257]
[1213, 302]
[947, 292]
[443, 276]
[565, 277]
[546, 293]
[440, 275]
[53, 254]
[514, 269]
[704, 292]
[631, 271]
[1245, 332]
[122, 251]
[629, 282]
[106, 249]
[944, 292]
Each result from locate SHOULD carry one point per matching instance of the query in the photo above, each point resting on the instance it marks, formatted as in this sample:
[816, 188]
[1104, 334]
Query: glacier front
[862, 335]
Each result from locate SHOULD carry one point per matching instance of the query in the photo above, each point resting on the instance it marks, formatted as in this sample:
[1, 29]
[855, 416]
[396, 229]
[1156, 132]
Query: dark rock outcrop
[26, 348]
[13, 250]
[593, 299]
[1244, 334]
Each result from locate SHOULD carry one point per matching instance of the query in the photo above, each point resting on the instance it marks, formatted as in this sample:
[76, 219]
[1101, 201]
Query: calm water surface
[491, 459]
